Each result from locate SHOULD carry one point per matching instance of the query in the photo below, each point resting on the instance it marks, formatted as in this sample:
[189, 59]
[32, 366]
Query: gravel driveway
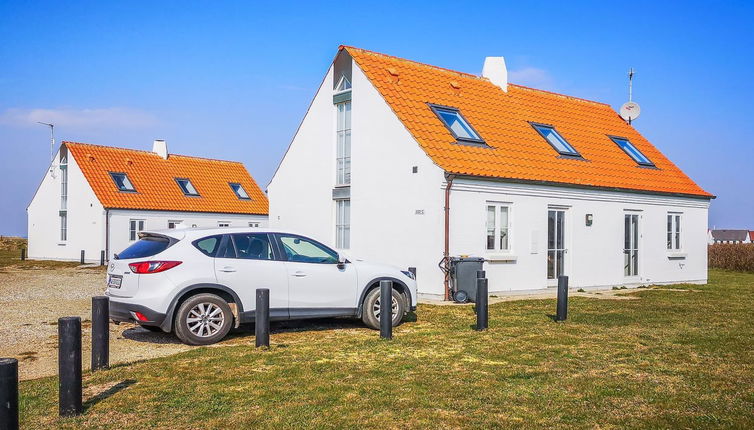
[32, 300]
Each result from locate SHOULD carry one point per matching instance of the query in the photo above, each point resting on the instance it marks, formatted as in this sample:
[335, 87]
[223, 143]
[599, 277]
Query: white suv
[200, 283]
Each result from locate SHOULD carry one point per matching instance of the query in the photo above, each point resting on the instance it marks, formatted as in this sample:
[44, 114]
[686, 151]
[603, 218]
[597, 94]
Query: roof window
[187, 187]
[122, 182]
[632, 152]
[240, 192]
[556, 140]
[457, 124]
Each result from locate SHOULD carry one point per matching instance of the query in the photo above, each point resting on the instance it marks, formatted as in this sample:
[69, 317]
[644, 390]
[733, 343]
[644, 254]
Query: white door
[556, 245]
[631, 245]
[318, 285]
[245, 262]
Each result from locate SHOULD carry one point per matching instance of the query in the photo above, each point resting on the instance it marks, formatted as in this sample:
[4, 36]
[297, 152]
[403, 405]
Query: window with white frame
[674, 232]
[63, 178]
[63, 226]
[254, 224]
[343, 224]
[174, 223]
[135, 227]
[343, 128]
[498, 227]
[223, 223]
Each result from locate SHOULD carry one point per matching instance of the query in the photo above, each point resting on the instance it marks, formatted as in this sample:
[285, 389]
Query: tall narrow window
[498, 227]
[63, 226]
[632, 151]
[343, 224]
[63, 178]
[631, 245]
[674, 232]
[343, 174]
[135, 227]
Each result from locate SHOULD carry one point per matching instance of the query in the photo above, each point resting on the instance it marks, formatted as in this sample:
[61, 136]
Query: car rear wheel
[372, 308]
[203, 319]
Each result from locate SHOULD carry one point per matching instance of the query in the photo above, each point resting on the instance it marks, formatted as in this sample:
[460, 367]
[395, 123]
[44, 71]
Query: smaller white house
[730, 236]
[97, 198]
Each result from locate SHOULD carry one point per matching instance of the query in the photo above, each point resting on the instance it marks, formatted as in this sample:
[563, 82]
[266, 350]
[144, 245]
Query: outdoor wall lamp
[589, 220]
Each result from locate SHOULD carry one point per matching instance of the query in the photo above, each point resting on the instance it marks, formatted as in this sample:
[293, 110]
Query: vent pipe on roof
[494, 69]
[160, 147]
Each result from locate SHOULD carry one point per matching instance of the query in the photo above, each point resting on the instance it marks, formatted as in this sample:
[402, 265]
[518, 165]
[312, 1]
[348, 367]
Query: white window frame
[253, 224]
[135, 226]
[175, 222]
[498, 229]
[674, 231]
[343, 143]
[343, 224]
[63, 215]
[223, 223]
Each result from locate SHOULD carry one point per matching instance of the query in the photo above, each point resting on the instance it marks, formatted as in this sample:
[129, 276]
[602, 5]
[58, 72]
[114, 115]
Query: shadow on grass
[120, 386]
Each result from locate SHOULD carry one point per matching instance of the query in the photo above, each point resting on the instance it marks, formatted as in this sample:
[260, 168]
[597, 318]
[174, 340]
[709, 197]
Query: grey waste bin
[463, 277]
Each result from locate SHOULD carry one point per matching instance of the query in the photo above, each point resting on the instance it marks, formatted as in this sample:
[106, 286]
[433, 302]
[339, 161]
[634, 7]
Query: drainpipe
[107, 235]
[446, 254]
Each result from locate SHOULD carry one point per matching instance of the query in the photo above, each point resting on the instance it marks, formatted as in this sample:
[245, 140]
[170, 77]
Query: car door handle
[299, 274]
[227, 269]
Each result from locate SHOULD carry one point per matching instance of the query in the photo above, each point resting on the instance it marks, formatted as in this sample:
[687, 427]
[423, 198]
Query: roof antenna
[630, 110]
[52, 139]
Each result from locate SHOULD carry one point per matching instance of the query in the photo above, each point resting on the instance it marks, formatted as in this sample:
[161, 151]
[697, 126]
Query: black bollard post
[82, 256]
[262, 317]
[413, 271]
[9, 393]
[69, 366]
[102, 258]
[562, 309]
[100, 333]
[386, 309]
[23, 254]
[482, 296]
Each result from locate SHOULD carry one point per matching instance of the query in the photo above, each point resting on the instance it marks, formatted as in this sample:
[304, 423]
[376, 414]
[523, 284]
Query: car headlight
[409, 274]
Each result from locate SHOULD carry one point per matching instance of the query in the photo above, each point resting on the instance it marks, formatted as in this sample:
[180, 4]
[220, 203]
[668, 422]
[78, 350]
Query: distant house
[408, 164]
[96, 198]
[730, 236]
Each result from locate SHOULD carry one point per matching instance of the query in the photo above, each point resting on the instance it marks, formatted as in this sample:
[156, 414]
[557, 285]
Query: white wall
[119, 223]
[595, 256]
[85, 218]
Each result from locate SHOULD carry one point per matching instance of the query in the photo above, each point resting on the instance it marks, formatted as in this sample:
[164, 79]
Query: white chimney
[160, 147]
[494, 69]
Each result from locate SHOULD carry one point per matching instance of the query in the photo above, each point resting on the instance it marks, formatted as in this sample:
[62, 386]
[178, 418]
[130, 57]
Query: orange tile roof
[154, 180]
[516, 151]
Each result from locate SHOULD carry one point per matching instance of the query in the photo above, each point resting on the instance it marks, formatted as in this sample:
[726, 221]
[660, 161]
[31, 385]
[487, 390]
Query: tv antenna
[52, 138]
[630, 110]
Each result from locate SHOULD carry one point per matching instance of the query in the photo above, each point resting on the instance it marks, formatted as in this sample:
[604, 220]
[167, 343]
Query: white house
[730, 236]
[98, 198]
[409, 163]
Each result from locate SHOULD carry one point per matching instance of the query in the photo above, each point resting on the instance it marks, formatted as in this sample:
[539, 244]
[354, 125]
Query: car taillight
[144, 267]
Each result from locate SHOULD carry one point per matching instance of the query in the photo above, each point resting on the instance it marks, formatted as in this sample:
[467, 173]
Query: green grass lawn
[668, 359]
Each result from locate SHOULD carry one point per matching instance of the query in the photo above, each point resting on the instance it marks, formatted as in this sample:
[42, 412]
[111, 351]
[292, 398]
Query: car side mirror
[342, 262]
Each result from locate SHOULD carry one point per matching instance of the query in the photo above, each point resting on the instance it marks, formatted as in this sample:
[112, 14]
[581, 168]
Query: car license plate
[114, 281]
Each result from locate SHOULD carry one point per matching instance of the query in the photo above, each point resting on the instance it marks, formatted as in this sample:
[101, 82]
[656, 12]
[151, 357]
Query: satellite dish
[630, 111]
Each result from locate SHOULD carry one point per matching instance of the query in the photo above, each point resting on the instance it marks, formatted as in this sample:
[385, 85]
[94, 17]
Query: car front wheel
[372, 308]
[203, 319]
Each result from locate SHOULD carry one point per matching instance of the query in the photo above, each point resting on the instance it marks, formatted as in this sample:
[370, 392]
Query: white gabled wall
[85, 217]
[120, 223]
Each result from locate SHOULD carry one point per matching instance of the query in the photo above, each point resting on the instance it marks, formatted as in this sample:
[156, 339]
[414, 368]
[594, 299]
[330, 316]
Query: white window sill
[501, 257]
[677, 254]
[61, 243]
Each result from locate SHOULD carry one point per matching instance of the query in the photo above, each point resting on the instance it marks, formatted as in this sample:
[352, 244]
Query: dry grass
[10, 256]
[731, 256]
[670, 359]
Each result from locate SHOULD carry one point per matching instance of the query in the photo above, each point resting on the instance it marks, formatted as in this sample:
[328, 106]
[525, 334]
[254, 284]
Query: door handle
[299, 274]
[227, 269]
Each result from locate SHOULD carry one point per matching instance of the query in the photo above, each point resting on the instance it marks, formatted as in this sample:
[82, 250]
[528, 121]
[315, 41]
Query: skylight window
[187, 187]
[240, 192]
[457, 124]
[122, 182]
[556, 140]
[632, 152]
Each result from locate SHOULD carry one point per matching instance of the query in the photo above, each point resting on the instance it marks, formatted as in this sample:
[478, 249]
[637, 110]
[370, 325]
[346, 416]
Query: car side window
[208, 245]
[252, 246]
[302, 250]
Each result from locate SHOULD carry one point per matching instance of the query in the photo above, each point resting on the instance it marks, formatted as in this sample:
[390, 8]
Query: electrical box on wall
[589, 220]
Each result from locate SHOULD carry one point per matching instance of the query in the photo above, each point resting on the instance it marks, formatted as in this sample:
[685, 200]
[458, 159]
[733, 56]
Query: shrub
[732, 256]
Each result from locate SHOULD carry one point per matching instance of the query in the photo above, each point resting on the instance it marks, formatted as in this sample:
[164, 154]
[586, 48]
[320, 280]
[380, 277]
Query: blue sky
[232, 80]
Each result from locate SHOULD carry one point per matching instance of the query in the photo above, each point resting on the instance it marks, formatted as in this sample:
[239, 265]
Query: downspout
[446, 253]
[107, 235]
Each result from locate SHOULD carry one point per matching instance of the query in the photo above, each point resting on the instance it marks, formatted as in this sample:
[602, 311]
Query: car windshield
[302, 250]
[145, 247]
